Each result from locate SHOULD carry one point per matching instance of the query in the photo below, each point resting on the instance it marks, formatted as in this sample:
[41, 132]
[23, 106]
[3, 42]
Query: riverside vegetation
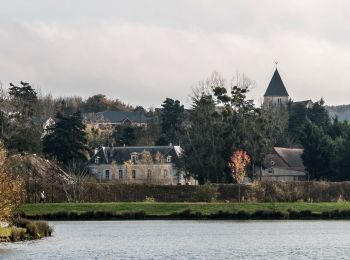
[23, 229]
[220, 122]
[161, 210]
[11, 195]
[287, 201]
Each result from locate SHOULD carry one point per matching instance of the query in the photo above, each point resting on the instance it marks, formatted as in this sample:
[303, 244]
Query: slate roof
[116, 116]
[305, 103]
[121, 154]
[291, 156]
[276, 86]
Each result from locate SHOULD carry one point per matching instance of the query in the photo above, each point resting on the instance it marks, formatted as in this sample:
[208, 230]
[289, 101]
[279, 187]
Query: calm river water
[188, 240]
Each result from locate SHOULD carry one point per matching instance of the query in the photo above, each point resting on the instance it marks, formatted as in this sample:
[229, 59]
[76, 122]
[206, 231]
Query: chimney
[95, 151]
[171, 144]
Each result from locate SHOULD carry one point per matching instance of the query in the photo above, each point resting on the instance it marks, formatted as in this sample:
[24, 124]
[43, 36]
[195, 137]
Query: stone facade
[139, 165]
[275, 100]
[157, 174]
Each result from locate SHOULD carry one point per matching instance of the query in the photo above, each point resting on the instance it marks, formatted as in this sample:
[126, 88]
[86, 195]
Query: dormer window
[133, 157]
[168, 159]
[97, 160]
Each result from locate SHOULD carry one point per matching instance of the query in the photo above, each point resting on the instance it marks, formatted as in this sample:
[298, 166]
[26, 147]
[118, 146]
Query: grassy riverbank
[166, 209]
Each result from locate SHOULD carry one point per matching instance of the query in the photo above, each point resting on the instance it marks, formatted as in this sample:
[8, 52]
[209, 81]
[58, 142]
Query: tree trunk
[239, 192]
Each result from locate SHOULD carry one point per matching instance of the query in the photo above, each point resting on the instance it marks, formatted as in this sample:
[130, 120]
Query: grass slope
[163, 208]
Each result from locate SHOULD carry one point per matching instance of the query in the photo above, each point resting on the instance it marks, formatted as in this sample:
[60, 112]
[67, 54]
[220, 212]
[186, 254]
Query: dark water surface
[188, 240]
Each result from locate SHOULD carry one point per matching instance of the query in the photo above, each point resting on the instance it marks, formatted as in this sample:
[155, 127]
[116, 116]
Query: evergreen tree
[297, 118]
[219, 124]
[66, 140]
[319, 152]
[246, 127]
[21, 129]
[172, 116]
[319, 115]
[203, 142]
[125, 135]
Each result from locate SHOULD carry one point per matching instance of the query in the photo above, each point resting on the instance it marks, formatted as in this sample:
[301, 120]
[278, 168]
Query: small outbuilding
[283, 164]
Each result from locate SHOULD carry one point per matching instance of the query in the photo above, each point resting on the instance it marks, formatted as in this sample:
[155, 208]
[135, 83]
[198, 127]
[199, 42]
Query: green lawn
[164, 208]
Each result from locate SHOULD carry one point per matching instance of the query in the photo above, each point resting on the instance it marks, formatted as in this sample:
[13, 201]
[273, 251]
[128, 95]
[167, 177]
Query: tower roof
[276, 86]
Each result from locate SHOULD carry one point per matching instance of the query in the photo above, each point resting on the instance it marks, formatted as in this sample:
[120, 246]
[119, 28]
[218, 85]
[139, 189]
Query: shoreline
[190, 215]
[186, 211]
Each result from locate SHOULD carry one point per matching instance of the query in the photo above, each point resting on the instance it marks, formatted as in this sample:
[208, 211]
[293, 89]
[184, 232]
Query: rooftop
[276, 86]
[291, 156]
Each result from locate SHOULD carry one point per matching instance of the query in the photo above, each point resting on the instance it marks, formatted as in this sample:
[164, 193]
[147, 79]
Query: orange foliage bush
[238, 163]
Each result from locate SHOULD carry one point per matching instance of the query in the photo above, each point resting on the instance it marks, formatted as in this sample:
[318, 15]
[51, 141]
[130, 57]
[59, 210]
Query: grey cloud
[143, 51]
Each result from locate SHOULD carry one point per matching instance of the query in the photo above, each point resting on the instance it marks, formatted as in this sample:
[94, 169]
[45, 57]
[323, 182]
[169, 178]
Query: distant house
[138, 165]
[283, 164]
[115, 118]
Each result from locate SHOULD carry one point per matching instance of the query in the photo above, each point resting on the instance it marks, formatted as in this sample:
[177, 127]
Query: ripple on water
[188, 240]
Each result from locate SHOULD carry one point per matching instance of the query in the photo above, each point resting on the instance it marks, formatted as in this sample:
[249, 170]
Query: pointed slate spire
[276, 87]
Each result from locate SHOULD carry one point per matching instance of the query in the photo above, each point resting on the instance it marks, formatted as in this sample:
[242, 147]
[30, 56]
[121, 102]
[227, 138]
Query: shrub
[44, 229]
[21, 222]
[133, 215]
[24, 228]
[74, 215]
[61, 215]
[140, 215]
[243, 215]
[187, 213]
[221, 215]
[17, 234]
[87, 215]
[32, 230]
[206, 192]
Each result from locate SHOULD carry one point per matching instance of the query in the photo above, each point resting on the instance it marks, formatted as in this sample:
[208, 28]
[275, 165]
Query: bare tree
[79, 176]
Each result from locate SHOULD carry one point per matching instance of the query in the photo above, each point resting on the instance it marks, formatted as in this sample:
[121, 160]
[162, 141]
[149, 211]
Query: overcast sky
[142, 51]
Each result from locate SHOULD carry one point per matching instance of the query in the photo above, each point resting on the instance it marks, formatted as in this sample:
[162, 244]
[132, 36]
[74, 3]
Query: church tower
[276, 93]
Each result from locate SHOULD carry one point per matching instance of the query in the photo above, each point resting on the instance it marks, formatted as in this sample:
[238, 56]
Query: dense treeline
[326, 146]
[221, 120]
